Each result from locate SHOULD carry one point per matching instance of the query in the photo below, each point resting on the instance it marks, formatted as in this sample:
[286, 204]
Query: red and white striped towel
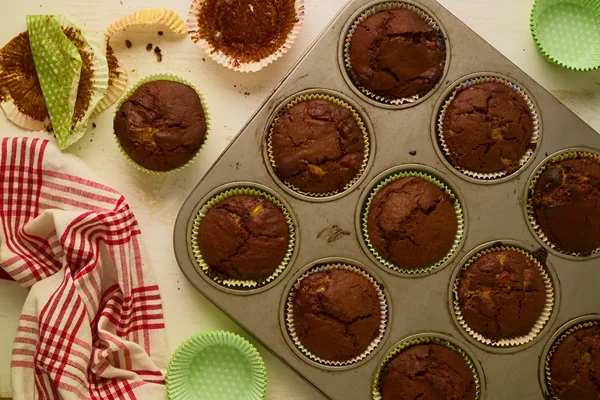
[92, 326]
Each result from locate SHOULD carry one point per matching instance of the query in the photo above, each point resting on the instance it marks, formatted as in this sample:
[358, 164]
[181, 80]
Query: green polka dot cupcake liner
[381, 7]
[172, 78]
[383, 307]
[533, 143]
[59, 66]
[540, 323]
[423, 340]
[357, 118]
[216, 365]
[548, 359]
[236, 283]
[457, 208]
[531, 217]
[567, 32]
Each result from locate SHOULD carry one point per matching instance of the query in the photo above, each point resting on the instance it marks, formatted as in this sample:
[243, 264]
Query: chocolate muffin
[244, 237]
[336, 314]
[247, 30]
[161, 125]
[575, 366]
[502, 294]
[488, 128]
[566, 202]
[396, 54]
[317, 146]
[412, 223]
[428, 371]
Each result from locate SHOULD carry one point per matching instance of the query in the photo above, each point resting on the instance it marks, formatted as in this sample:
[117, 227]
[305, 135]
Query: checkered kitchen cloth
[92, 326]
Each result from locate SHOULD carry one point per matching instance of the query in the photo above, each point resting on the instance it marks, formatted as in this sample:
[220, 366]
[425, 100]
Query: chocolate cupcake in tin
[318, 145]
[565, 203]
[395, 53]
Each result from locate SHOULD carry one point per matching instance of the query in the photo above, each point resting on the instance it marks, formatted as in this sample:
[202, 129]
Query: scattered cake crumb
[128, 44]
[160, 33]
[246, 93]
[149, 46]
[158, 53]
[412, 153]
[93, 124]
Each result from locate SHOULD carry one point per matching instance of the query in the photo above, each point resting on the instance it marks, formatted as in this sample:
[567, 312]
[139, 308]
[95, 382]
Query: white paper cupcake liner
[357, 118]
[117, 84]
[533, 143]
[290, 315]
[237, 283]
[230, 62]
[539, 325]
[22, 120]
[389, 6]
[531, 218]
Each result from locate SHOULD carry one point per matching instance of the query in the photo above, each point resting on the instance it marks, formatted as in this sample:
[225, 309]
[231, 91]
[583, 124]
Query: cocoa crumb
[160, 33]
[93, 125]
[246, 93]
[149, 46]
[412, 153]
[128, 44]
[157, 50]
[158, 53]
[203, 60]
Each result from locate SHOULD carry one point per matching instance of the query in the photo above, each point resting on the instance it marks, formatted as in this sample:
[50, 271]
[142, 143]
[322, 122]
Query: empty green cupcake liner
[236, 283]
[318, 96]
[382, 306]
[405, 344]
[533, 143]
[532, 219]
[163, 77]
[542, 320]
[216, 365]
[385, 6]
[567, 32]
[433, 180]
[548, 359]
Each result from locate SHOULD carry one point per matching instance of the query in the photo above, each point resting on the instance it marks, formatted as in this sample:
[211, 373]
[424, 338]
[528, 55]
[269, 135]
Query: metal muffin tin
[327, 228]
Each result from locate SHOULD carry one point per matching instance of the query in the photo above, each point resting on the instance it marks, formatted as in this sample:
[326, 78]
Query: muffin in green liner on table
[161, 124]
[243, 238]
[408, 212]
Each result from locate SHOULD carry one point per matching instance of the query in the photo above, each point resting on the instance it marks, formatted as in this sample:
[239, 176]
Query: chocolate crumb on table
[412, 153]
[128, 44]
[160, 33]
[149, 46]
[158, 53]
[93, 124]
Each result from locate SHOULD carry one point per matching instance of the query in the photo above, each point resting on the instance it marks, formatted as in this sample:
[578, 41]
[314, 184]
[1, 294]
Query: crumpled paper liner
[460, 219]
[230, 62]
[236, 283]
[382, 306]
[357, 118]
[22, 120]
[539, 324]
[532, 219]
[533, 142]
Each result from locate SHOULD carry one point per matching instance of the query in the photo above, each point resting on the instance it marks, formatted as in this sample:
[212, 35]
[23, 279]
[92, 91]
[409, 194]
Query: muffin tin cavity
[385, 31]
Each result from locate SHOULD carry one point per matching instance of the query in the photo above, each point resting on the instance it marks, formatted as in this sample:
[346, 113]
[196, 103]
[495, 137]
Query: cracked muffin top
[566, 202]
[502, 294]
[317, 146]
[244, 237]
[396, 54]
[162, 125]
[575, 366]
[412, 223]
[336, 314]
[488, 128]
[428, 371]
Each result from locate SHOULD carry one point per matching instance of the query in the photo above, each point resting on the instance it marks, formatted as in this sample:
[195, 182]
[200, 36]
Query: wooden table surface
[232, 98]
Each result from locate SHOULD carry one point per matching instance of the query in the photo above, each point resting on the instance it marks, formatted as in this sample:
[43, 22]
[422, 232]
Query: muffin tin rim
[438, 109]
[555, 309]
[570, 323]
[358, 223]
[526, 196]
[232, 185]
[352, 85]
[282, 312]
[328, 92]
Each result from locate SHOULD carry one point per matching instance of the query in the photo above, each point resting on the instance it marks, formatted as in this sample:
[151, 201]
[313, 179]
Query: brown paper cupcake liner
[548, 359]
[290, 315]
[539, 325]
[357, 118]
[535, 137]
[405, 344]
[389, 6]
[230, 61]
[566, 155]
[433, 180]
[236, 283]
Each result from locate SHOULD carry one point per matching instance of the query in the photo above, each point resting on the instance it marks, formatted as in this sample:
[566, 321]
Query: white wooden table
[232, 98]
